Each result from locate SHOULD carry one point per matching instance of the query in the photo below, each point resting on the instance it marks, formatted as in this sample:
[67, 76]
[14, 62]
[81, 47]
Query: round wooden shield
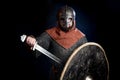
[87, 62]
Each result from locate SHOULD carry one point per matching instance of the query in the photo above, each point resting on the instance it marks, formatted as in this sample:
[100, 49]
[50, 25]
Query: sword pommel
[23, 37]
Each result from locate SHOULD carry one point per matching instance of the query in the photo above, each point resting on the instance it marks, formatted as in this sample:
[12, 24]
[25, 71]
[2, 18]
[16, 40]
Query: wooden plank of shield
[87, 62]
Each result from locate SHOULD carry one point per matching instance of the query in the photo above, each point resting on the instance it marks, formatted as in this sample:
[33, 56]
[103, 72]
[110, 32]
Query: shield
[87, 62]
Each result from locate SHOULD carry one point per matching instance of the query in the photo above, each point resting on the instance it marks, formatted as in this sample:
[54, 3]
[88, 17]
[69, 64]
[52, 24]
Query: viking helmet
[66, 18]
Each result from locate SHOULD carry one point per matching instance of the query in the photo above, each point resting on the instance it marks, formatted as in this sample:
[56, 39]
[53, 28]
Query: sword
[42, 50]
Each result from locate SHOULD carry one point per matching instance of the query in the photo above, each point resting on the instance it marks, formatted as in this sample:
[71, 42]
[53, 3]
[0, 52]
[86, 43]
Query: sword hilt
[23, 37]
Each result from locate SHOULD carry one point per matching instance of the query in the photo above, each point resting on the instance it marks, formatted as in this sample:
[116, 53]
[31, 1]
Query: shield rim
[75, 52]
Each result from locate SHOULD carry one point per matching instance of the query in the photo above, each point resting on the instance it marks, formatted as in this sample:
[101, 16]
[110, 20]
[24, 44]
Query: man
[60, 40]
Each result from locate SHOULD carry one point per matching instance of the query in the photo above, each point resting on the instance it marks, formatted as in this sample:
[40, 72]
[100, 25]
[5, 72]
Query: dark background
[98, 19]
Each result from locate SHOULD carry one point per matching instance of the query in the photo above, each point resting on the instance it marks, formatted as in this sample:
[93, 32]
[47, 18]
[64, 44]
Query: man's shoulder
[79, 32]
[51, 30]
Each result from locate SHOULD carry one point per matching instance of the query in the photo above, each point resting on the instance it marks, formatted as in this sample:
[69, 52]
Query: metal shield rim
[76, 50]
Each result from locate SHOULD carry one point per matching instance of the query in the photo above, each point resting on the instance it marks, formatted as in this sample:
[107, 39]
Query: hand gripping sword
[42, 50]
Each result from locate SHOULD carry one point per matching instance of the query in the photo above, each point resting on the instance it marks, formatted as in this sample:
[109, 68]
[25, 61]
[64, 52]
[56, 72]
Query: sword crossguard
[34, 47]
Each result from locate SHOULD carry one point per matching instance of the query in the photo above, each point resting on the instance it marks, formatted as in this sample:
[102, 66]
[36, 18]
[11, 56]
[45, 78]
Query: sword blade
[47, 53]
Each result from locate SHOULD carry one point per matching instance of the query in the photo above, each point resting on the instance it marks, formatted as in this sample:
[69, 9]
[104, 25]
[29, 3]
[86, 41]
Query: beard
[65, 28]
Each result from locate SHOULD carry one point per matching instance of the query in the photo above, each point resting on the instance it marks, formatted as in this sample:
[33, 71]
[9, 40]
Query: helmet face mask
[66, 21]
[66, 18]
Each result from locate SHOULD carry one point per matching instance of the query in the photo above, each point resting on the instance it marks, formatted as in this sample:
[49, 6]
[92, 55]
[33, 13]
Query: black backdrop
[97, 18]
